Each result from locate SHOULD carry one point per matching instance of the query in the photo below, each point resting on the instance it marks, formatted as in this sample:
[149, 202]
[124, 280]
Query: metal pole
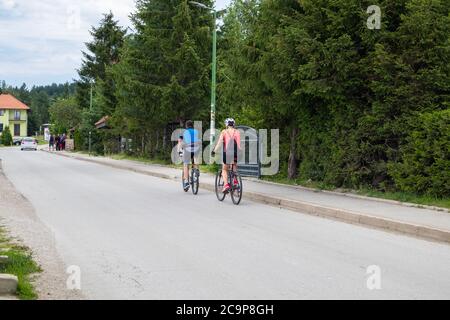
[214, 81]
[90, 105]
[90, 142]
[214, 69]
[90, 109]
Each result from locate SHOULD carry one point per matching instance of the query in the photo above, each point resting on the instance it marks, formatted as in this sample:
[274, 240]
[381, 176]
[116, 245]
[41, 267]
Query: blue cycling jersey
[190, 136]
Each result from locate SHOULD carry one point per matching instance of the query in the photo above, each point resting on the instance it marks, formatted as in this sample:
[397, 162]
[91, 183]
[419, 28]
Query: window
[2, 112]
[17, 130]
[1, 127]
[16, 114]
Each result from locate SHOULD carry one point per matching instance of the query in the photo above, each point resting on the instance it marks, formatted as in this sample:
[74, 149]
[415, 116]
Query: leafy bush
[78, 140]
[425, 165]
[6, 138]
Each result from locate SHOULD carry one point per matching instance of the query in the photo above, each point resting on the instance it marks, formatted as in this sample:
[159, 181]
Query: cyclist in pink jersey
[231, 139]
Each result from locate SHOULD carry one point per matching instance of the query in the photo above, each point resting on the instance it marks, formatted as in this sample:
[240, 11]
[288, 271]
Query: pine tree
[164, 72]
[40, 103]
[103, 52]
[96, 77]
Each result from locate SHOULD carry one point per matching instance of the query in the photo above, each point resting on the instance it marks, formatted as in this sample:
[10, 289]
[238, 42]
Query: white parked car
[28, 144]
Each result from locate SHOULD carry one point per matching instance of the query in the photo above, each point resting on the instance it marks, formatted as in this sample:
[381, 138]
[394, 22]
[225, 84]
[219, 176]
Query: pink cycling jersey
[227, 137]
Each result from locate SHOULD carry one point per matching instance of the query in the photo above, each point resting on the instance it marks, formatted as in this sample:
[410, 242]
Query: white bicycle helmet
[230, 122]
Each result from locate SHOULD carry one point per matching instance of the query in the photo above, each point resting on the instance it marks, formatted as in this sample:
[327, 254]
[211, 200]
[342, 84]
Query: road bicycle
[236, 188]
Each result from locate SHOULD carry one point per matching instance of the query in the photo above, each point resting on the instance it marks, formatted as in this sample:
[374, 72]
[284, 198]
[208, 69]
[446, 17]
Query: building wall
[7, 119]
[4, 119]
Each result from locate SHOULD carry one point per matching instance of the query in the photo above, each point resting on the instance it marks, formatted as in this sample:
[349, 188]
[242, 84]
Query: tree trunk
[150, 145]
[165, 138]
[293, 160]
[157, 140]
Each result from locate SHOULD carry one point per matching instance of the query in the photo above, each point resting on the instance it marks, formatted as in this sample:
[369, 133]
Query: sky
[41, 40]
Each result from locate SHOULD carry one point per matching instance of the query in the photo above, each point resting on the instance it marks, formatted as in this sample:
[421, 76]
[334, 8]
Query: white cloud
[7, 4]
[41, 41]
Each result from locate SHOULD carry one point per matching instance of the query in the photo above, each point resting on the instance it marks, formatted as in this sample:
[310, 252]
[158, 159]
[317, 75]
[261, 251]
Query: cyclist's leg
[196, 161]
[186, 172]
[225, 169]
[186, 162]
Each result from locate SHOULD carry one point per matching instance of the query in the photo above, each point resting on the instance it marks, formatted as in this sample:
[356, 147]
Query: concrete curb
[8, 284]
[355, 196]
[347, 216]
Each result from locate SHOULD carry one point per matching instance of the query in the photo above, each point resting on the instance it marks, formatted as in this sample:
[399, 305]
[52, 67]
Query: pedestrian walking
[63, 142]
[58, 142]
[51, 143]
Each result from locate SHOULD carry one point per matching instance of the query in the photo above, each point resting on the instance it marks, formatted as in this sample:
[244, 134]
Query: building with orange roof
[14, 114]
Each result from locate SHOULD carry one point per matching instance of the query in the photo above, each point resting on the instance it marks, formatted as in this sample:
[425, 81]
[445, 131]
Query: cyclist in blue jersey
[190, 143]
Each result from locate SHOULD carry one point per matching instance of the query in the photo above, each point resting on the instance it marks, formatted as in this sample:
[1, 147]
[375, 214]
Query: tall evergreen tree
[103, 52]
[96, 77]
[164, 72]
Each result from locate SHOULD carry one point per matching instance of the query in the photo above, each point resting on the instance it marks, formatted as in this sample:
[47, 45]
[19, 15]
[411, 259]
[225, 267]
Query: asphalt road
[138, 237]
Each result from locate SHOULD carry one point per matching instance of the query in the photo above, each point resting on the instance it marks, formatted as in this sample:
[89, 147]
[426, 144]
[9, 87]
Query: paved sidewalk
[425, 223]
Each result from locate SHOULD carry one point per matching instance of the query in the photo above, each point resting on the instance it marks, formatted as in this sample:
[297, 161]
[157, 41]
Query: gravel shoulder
[19, 217]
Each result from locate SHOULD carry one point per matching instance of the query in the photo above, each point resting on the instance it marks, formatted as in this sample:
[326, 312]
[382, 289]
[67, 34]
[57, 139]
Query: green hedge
[6, 138]
[425, 165]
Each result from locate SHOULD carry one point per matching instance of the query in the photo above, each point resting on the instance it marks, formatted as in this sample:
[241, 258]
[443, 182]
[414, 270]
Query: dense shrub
[6, 138]
[425, 165]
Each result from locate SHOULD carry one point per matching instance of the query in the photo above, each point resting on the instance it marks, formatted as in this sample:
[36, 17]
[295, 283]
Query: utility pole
[90, 104]
[90, 109]
[214, 81]
[90, 142]
[214, 70]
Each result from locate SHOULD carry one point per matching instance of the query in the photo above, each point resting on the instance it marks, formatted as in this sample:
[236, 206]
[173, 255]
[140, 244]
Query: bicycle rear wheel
[195, 181]
[236, 189]
[219, 186]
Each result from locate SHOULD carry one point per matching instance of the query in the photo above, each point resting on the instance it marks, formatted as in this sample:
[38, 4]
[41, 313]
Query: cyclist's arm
[180, 145]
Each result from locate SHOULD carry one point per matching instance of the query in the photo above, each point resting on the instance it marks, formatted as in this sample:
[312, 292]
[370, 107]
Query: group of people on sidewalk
[57, 142]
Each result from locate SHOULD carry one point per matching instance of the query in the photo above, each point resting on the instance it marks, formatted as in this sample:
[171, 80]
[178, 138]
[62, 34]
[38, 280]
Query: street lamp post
[90, 102]
[90, 142]
[214, 70]
[90, 109]
[214, 81]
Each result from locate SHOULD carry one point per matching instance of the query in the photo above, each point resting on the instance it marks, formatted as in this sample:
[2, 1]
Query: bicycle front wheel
[236, 189]
[219, 186]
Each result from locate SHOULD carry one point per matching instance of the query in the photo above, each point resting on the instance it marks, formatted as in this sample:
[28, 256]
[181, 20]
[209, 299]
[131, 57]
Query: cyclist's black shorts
[231, 158]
